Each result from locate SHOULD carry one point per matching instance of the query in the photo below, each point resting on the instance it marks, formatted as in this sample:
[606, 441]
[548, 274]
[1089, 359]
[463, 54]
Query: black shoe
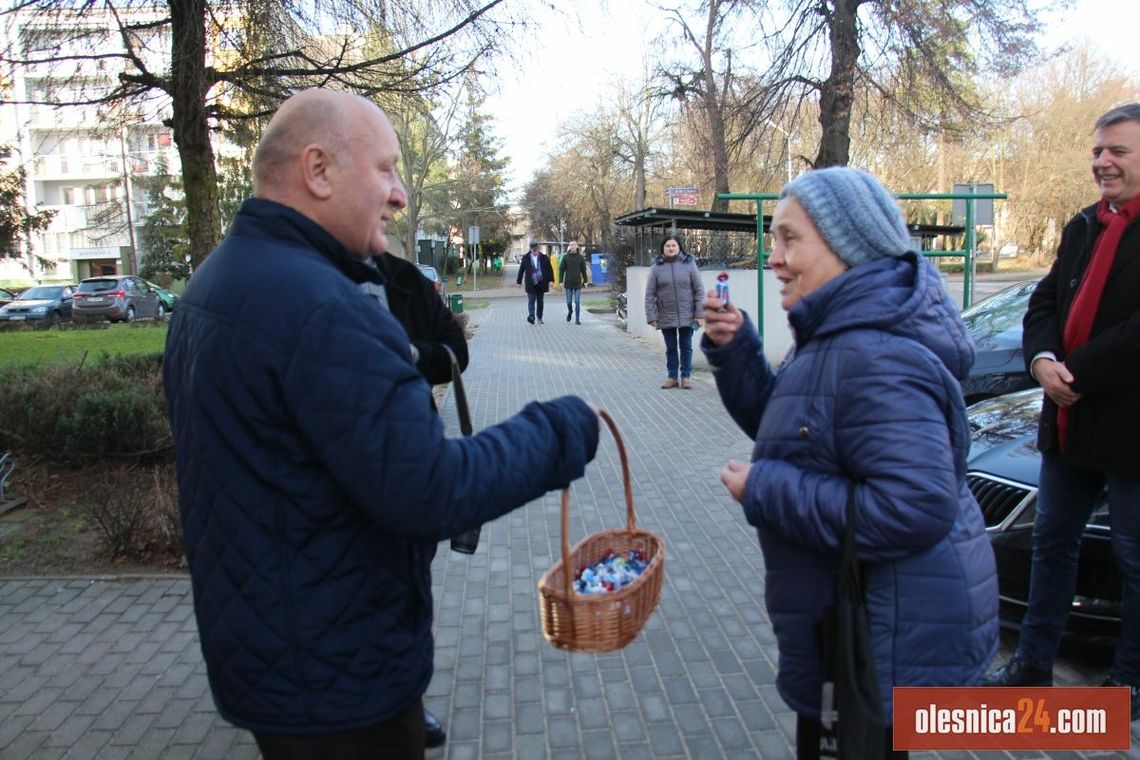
[568, 315]
[577, 321]
[540, 321]
[530, 318]
[434, 735]
[1018, 671]
[1134, 693]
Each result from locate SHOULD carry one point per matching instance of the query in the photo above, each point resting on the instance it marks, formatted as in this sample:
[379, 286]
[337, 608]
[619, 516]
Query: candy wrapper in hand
[722, 288]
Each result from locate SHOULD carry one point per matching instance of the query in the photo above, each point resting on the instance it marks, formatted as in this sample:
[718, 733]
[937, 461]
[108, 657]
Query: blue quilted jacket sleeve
[387, 451]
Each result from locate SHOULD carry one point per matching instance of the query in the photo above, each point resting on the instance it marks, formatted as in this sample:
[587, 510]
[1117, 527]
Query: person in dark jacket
[573, 273]
[868, 396]
[314, 478]
[433, 330]
[673, 296]
[1081, 341]
[535, 275]
[413, 300]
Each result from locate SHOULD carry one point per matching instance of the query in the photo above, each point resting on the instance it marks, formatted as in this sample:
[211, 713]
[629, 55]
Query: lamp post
[787, 143]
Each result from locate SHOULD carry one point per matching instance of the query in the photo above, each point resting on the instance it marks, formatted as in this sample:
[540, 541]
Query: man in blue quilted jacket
[314, 477]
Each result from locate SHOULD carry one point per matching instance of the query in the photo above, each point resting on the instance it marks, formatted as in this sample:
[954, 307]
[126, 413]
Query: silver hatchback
[119, 299]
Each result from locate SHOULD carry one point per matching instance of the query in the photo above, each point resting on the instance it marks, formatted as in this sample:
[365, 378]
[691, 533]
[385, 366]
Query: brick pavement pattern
[110, 668]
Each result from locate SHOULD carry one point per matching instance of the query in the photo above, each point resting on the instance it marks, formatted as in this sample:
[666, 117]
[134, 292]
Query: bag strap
[460, 393]
[828, 651]
[848, 558]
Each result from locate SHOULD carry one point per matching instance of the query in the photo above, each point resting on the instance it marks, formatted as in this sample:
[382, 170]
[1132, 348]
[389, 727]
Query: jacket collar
[276, 220]
[684, 257]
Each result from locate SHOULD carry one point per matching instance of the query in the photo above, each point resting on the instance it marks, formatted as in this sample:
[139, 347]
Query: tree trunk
[714, 116]
[838, 92]
[641, 150]
[188, 90]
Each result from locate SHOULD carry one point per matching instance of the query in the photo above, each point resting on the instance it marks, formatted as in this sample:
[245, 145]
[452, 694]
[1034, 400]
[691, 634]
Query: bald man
[314, 477]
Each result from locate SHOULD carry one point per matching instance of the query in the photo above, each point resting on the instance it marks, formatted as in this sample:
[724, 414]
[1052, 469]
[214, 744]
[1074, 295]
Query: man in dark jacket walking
[1082, 343]
[573, 273]
[535, 274]
[314, 477]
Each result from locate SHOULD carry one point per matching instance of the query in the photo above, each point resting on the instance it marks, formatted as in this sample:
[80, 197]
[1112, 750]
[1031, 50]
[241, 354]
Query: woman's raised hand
[721, 322]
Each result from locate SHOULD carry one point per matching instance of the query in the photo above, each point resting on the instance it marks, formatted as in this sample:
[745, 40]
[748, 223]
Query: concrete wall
[742, 285]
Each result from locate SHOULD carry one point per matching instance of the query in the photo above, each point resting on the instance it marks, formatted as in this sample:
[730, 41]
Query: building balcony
[59, 167]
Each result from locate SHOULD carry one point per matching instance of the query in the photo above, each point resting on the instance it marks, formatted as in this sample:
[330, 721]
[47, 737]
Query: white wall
[742, 288]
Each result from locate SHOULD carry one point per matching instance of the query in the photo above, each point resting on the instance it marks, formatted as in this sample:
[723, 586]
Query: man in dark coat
[535, 274]
[314, 478]
[433, 330]
[1082, 343]
[412, 299]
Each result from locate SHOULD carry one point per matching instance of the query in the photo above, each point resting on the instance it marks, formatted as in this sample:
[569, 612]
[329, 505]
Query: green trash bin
[455, 302]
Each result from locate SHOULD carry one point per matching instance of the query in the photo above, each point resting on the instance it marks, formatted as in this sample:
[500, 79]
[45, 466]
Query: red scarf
[1078, 326]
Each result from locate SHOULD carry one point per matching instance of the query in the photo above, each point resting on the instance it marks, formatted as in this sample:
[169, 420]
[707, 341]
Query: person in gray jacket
[673, 298]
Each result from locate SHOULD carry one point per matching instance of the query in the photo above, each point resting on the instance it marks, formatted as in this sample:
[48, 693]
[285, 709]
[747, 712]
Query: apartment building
[82, 161]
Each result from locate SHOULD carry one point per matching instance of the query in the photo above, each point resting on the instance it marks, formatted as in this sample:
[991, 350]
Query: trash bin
[600, 269]
[455, 303]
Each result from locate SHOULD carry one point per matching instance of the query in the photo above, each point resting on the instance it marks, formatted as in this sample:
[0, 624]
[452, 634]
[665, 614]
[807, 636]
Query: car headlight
[38, 310]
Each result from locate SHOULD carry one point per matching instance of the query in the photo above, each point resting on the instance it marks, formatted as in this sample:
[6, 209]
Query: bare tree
[727, 115]
[923, 54]
[428, 129]
[638, 130]
[1042, 157]
[264, 48]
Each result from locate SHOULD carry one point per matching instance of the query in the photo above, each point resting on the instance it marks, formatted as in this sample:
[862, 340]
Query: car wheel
[53, 319]
[160, 312]
[130, 314]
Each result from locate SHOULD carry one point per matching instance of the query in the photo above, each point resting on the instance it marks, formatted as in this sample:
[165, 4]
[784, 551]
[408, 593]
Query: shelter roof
[692, 219]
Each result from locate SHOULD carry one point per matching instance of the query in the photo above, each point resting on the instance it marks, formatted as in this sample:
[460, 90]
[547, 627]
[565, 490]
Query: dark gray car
[41, 304]
[119, 299]
[995, 326]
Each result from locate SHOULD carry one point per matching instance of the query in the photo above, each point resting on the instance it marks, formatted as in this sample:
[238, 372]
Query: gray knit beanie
[858, 218]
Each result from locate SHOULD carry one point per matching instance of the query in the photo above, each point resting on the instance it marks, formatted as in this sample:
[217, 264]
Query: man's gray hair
[1128, 112]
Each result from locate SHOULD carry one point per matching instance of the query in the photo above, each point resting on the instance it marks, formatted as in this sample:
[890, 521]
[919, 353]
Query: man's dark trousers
[1066, 496]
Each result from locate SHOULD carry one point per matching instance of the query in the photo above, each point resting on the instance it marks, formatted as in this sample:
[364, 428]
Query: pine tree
[15, 221]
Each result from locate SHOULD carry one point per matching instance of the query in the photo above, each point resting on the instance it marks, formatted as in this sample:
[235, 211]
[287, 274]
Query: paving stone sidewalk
[110, 668]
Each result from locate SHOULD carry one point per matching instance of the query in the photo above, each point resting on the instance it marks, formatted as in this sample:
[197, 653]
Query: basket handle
[630, 517]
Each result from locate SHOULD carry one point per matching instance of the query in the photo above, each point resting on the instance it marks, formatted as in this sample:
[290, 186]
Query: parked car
[168, 298]
[1004, 466]
[6, 297]
[119, 299]
[50, 304]
[430, 272]
[995, 326]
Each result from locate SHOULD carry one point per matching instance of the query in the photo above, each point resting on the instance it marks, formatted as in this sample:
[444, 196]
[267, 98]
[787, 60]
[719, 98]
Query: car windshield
[97, 286]
[998, 314]
[40, 294]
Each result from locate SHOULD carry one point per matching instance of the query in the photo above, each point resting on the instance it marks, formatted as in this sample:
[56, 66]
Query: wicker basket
[609, 621]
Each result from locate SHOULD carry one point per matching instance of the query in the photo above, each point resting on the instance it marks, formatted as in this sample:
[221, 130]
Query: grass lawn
[37, 346]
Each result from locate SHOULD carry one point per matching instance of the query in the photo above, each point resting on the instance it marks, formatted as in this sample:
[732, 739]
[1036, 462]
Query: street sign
[683, 196]
[983, 207]
[473, 235]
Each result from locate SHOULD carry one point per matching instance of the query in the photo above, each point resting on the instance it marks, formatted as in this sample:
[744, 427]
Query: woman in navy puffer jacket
[869, 395]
